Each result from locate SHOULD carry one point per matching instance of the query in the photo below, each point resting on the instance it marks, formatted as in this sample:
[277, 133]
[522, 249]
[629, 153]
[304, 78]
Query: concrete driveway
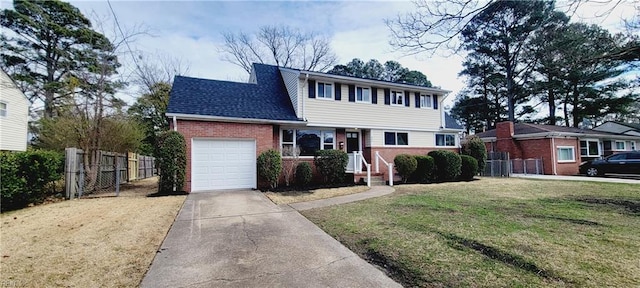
[242, 239]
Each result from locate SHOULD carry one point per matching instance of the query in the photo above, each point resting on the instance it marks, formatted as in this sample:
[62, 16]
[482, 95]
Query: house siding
[355, 114]
[291, 82]
[263, 134]
[13, 127]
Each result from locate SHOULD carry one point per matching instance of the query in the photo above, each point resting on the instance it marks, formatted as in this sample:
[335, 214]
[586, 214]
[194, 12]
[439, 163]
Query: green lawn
[497, 232]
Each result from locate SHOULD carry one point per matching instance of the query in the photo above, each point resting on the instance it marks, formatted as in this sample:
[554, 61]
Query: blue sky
[191, 31]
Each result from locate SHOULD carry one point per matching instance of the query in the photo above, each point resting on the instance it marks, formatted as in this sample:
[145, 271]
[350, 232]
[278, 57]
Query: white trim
[333, 92]
[455, 141]
[6, 109]
[295, 142]
[573, 150]
[384, 139]
[230, 119]
[429, 101]
[587, 142]
[615, 146]
[346, 125]
[352, 131]
[363, 88]
[391, 98]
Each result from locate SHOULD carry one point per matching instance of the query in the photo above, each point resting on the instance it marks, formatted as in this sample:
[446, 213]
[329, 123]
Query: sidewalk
[375, 191]
[577, 178]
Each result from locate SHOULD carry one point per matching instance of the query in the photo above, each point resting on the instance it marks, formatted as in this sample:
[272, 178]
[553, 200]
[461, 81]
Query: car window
[635, 156]
[618, 157]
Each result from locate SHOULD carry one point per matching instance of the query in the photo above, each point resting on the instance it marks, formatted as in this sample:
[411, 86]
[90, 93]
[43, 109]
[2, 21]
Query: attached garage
[219, 164]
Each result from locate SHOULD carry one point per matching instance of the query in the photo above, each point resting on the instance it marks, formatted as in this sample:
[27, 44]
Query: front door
[353, 142]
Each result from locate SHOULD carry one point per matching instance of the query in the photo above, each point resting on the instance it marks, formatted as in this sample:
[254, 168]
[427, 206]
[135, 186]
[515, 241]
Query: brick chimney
[505, 141]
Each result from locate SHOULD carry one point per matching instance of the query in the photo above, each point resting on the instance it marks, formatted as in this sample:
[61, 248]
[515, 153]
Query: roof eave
[371, 81]
[231, 119]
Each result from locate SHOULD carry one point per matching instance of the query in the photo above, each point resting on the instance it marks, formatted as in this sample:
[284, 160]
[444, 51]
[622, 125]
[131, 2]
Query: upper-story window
[3, 109]
[397, 98]
[425, 101]
[363, 94]
[325, 90]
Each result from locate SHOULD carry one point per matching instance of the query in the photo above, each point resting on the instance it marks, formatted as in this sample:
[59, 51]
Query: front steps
[377, 179]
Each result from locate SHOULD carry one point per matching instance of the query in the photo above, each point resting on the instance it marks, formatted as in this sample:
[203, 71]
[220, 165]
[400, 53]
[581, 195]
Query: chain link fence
[102, 171]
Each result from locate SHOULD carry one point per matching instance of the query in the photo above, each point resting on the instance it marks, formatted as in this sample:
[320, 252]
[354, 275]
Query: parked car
[621, 163]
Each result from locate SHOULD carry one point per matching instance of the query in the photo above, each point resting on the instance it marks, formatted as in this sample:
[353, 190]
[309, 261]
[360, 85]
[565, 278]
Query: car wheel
[592, 171]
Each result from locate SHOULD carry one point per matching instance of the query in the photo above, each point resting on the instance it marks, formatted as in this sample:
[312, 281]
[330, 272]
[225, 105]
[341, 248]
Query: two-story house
[227, 124]
[14, 115]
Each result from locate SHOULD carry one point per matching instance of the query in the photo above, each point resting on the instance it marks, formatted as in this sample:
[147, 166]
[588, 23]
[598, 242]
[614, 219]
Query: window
[620, 145]
[632, 145]
[396, 138]
[325, 90]
[308, 141]
[397, 98]
[425, 101]
[363, 94]
[566, 154]
[589, 148]
[3, 109]
[445, 140]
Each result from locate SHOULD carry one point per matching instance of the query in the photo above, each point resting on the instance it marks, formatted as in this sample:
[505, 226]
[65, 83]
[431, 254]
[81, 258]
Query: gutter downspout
[443, 122]
[306, 84]
[553, 154]
[175, 124]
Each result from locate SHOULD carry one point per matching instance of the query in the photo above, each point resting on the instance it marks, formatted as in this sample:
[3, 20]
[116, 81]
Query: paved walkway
[375, 191]
[577, 178]
[242, 239]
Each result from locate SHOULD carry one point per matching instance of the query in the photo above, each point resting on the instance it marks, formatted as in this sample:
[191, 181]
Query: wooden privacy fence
[105, 171]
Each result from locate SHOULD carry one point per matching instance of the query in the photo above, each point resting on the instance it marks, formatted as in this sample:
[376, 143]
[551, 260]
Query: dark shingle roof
[267, 99]
[527, 128]
[451, 123]
[635, 126]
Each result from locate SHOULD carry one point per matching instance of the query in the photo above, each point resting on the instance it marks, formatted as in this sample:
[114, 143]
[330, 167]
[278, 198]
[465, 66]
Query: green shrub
[469, 167]
[447, 165]
[405, 165]
[172, 161]
[269, 167]
[474, 147]
[26, 176]
[331, 165]
[424, 170]
[303, 174]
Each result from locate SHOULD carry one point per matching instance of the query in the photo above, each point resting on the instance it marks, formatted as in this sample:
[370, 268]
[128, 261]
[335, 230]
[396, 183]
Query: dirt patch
[304, 196]
[90, 242]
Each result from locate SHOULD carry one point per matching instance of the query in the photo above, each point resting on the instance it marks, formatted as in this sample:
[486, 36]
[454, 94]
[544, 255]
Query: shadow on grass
[397, 271]
[505, 257]
[174, 193]
[628, 205]
[570, 220]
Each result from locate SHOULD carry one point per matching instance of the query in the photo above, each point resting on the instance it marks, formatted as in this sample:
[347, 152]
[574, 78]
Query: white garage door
[223, 164]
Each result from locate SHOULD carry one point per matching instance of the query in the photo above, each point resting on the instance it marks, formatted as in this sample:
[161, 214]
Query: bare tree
[289, 165]
[279, 45]
[158, 68]
[435, 25]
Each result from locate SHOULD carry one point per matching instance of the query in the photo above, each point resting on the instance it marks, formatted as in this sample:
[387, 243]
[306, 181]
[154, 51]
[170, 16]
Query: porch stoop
[377, 179]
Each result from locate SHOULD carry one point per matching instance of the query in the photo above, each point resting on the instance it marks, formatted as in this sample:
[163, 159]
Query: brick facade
[544, 148]
[265, 135]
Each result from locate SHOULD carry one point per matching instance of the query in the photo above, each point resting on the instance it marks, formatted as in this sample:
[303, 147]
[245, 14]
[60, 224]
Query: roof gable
[265, 99]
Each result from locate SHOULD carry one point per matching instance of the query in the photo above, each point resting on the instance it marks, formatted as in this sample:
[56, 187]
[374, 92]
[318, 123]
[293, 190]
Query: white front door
[223, 164]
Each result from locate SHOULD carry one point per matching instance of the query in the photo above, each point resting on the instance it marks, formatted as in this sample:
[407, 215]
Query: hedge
[447, 165]
[474, 147]
[469, 167]
[331, 165]
[26, 176]
[269, 167]
[172, 162]
[303, 174]
[405, 165]
[424, 169]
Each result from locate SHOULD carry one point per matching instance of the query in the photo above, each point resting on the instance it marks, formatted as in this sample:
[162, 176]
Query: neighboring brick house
[227, 124]
[562, 149]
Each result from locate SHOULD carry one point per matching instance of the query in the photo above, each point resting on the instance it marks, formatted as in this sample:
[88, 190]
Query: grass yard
[96, 242]
[497, 233]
